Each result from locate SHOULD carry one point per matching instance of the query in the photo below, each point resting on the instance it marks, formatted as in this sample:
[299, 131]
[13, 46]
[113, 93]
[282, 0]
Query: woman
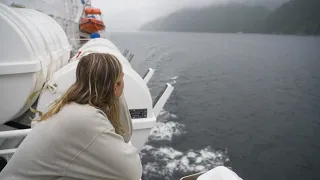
[80, 137]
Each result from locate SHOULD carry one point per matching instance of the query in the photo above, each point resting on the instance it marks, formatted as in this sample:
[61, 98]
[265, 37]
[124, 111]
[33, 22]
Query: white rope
[52, 88]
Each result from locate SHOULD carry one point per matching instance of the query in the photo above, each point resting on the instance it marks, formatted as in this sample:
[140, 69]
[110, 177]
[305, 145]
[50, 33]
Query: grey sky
[128, 15]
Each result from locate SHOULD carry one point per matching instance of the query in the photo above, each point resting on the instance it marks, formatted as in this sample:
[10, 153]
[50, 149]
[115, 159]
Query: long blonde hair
[96, 76]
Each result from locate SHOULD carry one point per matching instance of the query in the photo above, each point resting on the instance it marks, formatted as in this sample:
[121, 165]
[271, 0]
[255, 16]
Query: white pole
[161, 99]
[7, 152]
[14, 133]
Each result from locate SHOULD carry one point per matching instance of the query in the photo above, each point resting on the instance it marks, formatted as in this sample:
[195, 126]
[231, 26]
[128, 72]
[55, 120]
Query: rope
[33, 94]
[52, 88]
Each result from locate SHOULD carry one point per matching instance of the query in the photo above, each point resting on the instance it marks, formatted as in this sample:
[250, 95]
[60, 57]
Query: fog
[128, 15]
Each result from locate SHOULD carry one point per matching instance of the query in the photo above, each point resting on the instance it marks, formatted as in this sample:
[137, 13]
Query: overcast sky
[128, 15]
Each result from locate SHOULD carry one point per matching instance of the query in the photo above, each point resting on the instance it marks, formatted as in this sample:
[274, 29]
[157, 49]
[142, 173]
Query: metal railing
[12, 134]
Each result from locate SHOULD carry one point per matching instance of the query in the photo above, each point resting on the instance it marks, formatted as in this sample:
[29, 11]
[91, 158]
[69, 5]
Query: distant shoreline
[288, 19]
[243, 33]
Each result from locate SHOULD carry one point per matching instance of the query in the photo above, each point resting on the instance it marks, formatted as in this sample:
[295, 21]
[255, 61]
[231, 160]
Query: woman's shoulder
[81, 109]
[81, 116]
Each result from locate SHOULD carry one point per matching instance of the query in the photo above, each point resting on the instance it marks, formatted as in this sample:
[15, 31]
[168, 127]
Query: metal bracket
[130, 57]
[162, 98]
[148, 75]
[125, 52]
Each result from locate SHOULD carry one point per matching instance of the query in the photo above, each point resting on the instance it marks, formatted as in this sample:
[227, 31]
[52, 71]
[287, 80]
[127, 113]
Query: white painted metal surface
[7, 151]
[101, 45]
[14, 133]
[56, 42]
[33, 46]
[161, 100]
[219, 173]
[148, 75]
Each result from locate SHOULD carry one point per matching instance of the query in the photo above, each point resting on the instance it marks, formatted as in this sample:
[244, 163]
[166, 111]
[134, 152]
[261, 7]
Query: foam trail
[167, 161]
[164, 162]
[164, 116]
[166, 130]
[174, 78]
[151, 55]
[173, 82]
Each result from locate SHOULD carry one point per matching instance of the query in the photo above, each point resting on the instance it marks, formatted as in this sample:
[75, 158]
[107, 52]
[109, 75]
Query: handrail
[14, 133]
[7, 151]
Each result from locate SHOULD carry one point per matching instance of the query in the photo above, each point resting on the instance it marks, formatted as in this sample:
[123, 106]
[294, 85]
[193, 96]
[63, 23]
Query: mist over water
[249, 102]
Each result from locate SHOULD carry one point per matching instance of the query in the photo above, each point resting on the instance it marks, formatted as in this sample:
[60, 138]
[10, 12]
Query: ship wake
[164, 162]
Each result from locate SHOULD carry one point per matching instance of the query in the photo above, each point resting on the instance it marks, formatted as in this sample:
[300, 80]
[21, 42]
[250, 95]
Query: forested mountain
[293, 17]
[215, 18]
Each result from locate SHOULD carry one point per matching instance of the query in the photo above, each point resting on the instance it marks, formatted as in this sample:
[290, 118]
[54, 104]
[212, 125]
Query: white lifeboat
[142, 109]
[33, 46]
[101, 45]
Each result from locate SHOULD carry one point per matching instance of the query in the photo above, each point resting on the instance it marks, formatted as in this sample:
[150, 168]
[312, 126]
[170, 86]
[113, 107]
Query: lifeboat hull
[33, 47]
[90, 25]
[92, 11]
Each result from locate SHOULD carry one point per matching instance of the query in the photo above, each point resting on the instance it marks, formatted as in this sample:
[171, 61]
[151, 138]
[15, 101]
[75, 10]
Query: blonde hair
[96, 76]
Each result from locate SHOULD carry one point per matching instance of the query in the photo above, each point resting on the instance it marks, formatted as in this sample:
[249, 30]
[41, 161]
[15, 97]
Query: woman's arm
[107, 156]
[125, 118]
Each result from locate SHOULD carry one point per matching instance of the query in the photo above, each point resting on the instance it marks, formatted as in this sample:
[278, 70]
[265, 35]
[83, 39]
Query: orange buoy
[92, 11]
[91, 25]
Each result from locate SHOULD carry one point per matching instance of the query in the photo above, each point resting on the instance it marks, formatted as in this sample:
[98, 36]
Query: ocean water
[249, 102]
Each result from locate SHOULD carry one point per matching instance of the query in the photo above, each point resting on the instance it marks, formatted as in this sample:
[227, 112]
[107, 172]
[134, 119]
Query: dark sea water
[249, 102]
